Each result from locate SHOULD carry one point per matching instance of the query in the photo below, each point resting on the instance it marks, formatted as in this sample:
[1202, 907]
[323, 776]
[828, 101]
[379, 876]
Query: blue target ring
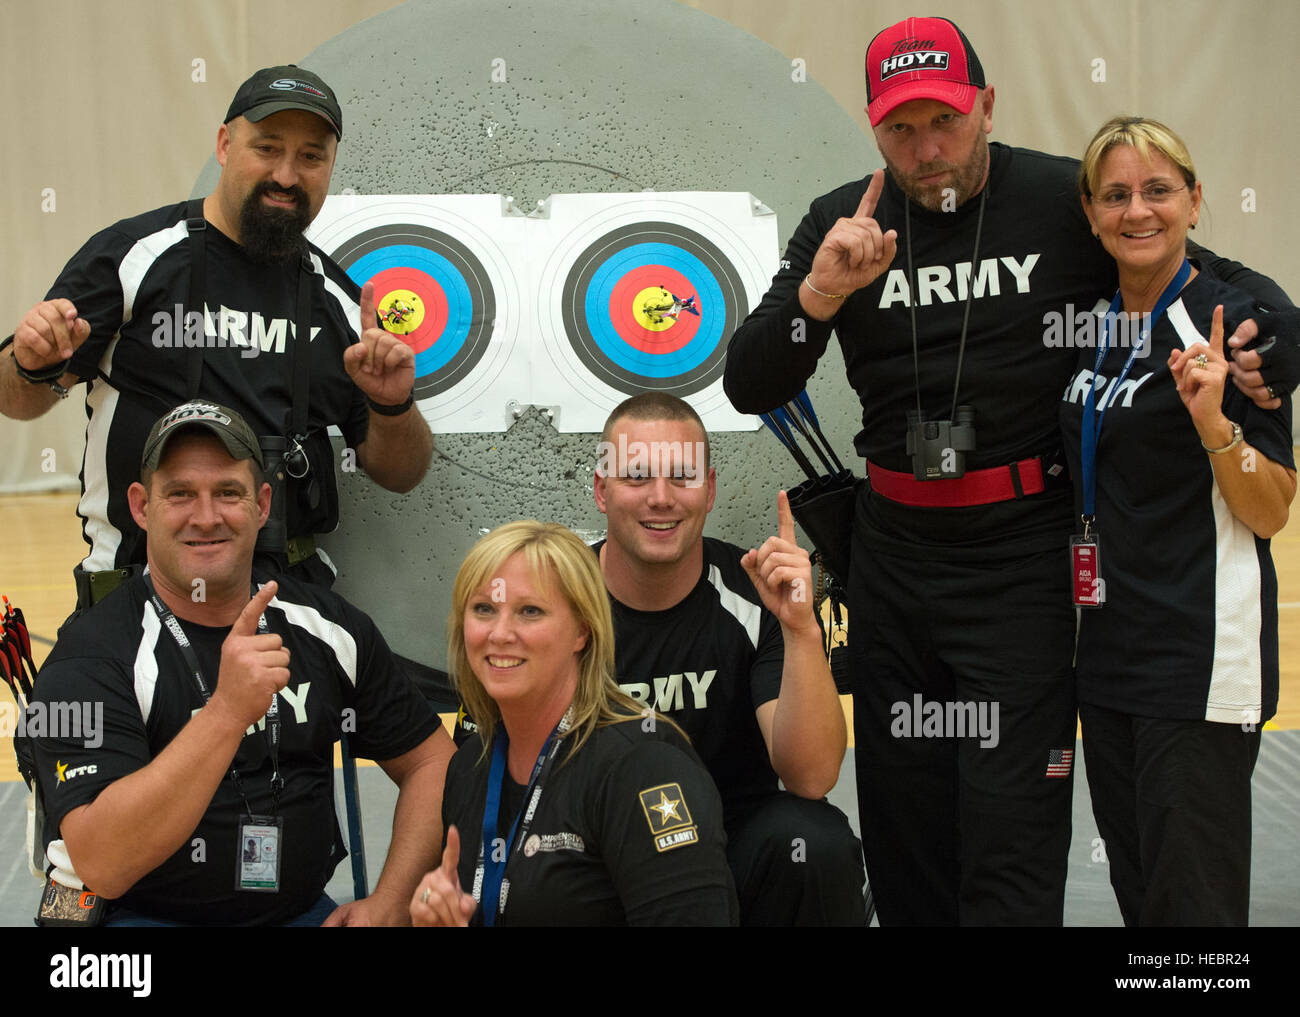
[595, 338]
[466, 295]
[617, 349]
[460, 306]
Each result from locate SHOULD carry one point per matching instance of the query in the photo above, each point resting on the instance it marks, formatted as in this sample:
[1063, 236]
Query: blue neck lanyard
[1091, 428]
[492, 863]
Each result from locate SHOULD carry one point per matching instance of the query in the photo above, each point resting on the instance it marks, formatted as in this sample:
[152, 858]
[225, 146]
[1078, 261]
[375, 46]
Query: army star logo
[667, 807]
[669, 817]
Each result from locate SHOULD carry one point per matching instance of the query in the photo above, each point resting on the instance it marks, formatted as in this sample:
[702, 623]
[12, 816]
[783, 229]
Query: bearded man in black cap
[207, 298]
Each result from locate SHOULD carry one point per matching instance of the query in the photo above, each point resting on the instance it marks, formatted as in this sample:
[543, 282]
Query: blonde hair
[553, 553]
[1140, 133]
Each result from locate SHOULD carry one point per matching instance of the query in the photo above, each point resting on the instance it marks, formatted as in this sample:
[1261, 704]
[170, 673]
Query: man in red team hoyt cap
[921, 58]
[962, 628]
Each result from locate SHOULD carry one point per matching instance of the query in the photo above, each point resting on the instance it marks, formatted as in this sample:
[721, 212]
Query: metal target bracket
[515, 411]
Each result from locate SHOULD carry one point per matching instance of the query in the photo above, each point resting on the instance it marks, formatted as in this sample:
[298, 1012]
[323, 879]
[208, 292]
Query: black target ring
[613, 359]
[451, 278]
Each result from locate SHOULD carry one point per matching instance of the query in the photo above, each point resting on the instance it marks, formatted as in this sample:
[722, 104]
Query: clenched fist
[49, 334]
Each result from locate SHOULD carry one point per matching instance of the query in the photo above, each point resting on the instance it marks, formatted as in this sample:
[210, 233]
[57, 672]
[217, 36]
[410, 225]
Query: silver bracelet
[1236, 440]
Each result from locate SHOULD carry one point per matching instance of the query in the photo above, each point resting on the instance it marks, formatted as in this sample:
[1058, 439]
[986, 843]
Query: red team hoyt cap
[921, 58]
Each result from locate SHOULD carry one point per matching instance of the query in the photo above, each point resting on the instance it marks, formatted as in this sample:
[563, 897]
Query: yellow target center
[400, 312]
[652, 308]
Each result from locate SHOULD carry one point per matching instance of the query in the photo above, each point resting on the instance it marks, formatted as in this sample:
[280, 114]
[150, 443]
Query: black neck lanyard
[970, 295]
[172, 625]
[491, 869]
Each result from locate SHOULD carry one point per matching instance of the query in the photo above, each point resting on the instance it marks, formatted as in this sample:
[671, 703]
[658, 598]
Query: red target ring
[434, 300]
[623, 311]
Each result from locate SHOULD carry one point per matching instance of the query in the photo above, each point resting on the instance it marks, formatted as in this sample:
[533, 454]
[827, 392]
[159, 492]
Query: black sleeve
[392, 717]
[464, 728]
[91, 281]
[769, 661]
[1267, 294]
[668, 864]
[775, 350]
[1277, 318]
[342, 301]
[92, 733]
[1267, 431]
[1279, 348]
[357, 426]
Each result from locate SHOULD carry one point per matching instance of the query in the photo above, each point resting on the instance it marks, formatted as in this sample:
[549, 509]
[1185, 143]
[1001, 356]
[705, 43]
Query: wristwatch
[394, 410]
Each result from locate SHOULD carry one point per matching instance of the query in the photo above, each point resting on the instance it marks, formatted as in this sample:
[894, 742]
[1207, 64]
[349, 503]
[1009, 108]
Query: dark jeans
[312, 917]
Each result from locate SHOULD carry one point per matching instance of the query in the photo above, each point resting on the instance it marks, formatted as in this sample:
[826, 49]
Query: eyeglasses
[1153, 194]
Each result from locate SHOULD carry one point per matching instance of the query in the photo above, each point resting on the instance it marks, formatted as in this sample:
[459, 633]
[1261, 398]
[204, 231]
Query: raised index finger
[1216, 331]
[368, 317]
[784, 518]
[451, 854]
[867, 206]
[246, 623]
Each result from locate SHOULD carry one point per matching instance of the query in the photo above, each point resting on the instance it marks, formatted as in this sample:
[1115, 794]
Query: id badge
[1088, 587]
[257, 856]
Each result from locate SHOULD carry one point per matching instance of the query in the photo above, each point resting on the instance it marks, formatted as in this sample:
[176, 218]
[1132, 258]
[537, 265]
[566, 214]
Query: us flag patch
[1058, 762]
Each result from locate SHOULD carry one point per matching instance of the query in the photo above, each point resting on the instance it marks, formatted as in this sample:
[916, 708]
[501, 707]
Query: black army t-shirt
[119, 659]
[131, 282]
[708, 663]
[1188, 627]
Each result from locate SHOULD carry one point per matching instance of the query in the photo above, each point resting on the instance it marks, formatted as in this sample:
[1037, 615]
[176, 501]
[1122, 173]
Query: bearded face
[941, 186]
[270, 233]
[275, 174]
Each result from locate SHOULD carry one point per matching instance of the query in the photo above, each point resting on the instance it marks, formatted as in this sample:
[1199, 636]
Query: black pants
[959, 827]
[1172, 803]
[796, 862]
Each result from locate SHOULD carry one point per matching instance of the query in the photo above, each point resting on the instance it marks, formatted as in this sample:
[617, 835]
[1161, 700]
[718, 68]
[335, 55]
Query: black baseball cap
[273, 89]
[234, 433]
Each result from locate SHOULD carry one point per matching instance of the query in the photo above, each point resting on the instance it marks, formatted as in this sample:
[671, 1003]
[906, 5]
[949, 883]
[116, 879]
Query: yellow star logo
[63, 769]
[667, 807]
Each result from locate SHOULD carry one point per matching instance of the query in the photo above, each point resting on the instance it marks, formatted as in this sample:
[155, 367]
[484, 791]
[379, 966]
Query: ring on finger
[1269, 390]
[1201, 360]
[424, 897]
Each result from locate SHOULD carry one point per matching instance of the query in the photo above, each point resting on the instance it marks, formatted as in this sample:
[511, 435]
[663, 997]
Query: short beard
[964, 184]
[274, 236]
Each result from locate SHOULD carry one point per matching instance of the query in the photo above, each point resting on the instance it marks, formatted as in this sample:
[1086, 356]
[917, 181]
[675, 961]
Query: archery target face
[441, 284]
[646, 300]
